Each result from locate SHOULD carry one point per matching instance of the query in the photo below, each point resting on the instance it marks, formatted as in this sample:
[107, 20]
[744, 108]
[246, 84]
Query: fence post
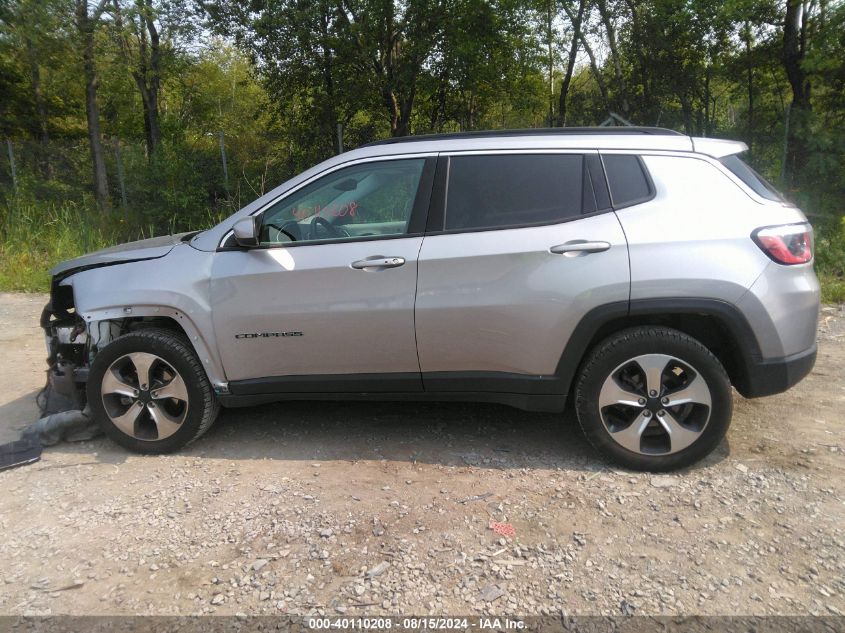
[119, 160]
[223, 156]
[12, 165]
[340, 138]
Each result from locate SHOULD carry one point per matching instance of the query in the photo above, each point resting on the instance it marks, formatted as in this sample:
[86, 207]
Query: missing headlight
[67, 347]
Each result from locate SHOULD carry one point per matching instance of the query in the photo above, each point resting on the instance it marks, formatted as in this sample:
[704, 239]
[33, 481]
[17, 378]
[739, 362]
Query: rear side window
[627, 181]
[513, 190]
[750, 177]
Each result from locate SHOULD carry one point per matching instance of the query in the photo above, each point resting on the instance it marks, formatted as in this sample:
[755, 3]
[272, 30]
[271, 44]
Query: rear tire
[149, 393]
[653, 398]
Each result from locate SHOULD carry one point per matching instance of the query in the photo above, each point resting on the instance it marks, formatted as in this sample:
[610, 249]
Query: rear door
[519, 247]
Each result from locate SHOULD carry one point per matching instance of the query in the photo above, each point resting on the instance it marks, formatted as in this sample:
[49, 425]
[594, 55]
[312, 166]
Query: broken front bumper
[67, 354]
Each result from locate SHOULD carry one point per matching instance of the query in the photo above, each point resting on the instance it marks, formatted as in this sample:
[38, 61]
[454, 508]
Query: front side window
[512, 190]
[368, 200]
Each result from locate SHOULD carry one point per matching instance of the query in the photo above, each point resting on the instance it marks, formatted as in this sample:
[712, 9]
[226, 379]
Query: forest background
[122, 119]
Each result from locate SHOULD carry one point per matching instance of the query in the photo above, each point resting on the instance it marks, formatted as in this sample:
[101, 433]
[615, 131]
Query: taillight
[786, 244]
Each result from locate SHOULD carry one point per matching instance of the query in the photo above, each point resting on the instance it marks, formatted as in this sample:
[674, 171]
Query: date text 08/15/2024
[417, 623]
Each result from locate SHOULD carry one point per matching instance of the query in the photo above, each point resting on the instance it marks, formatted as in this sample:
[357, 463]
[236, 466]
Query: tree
[668, 47]
[394, 40]
[307, 58]
[31, 26]
[291, 76]
[86, 25]
[574, 44]
[608, 19]
[583, 33]
[795, 44]
[474, 68]
[146, 67]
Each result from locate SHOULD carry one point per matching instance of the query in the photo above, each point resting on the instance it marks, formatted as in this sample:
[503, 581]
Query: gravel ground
[330, 508]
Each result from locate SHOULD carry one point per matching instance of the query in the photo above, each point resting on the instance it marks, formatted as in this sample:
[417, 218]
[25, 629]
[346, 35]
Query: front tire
[149, 392]
[653, 398]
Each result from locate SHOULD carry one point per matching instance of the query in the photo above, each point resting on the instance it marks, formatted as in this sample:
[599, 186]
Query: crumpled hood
[123, 253]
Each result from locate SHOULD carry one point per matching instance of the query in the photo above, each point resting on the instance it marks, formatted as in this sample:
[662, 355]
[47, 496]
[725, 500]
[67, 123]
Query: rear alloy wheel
[149, 393]
[653, 398]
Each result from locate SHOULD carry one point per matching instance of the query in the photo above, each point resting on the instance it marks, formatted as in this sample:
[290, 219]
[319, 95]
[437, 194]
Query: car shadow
[448, 434]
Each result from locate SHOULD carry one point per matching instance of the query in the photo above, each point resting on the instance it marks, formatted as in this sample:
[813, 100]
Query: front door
[326, 303]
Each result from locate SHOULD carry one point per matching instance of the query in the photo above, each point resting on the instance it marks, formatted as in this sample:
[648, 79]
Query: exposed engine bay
[72, 343]
[67, 346]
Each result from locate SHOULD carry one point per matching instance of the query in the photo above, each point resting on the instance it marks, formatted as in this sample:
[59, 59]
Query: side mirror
[246, 231]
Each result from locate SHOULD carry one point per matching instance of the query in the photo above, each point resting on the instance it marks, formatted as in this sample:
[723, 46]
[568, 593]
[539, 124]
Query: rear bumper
[771, 376]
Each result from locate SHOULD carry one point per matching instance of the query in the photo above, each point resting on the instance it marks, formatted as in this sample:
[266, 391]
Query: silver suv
[637, 273]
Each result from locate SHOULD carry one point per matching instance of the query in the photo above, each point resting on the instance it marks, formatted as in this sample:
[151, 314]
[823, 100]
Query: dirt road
[386, 508]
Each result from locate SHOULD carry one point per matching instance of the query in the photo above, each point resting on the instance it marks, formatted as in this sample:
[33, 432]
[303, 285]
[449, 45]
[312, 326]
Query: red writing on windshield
[333, 210]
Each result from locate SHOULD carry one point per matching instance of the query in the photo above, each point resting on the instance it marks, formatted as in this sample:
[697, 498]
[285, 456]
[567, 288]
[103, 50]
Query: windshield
[750, 177]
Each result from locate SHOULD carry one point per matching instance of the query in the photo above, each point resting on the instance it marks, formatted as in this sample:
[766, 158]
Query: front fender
[174, 287]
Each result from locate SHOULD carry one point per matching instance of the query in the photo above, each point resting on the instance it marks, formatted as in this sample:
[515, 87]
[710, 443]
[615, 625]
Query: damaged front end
[67, 349]
[73, 339]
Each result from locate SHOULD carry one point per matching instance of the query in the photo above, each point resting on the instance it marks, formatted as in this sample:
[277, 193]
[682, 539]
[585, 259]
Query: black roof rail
[546, 131]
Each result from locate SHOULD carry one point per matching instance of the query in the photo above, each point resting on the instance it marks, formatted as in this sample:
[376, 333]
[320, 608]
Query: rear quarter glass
[629, 184]
[746, 174]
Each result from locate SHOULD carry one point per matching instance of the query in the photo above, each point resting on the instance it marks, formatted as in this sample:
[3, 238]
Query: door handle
[577, 247]
[378, 261]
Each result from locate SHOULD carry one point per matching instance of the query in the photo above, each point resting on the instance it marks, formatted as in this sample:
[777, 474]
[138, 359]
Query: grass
[36, 236]
[830, 259]
[833, 288]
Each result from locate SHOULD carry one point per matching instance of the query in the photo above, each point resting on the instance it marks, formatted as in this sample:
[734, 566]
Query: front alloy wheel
[144, 396]
[149, 392]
